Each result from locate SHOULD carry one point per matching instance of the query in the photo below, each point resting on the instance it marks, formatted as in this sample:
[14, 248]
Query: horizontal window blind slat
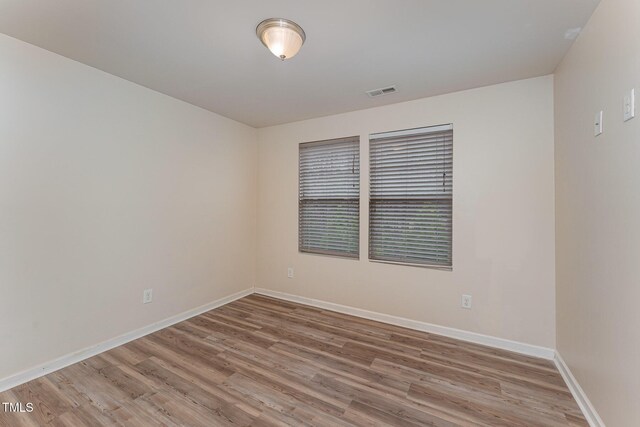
[430, 227]
[388, 249]
[320, 221]
[408, 172]
[399, 253]
[410, 162]
[346, 162]
[318, 145]
[413, 246]
[426, 196]
[435, 193]
[409, 190]
[415, 146]
[327, 195]
[413, 261]
[413, 149]
[330, 253]
[419, 143]
[319, 226]
[414, 225]
[418, 183]
[409, 133]
[328, 152]
[345, 186]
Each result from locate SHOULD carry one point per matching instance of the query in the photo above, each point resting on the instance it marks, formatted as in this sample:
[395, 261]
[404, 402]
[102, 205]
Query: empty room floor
[264, 361]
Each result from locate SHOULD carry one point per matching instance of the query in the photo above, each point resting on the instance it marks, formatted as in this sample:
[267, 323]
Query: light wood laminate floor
[262, 361]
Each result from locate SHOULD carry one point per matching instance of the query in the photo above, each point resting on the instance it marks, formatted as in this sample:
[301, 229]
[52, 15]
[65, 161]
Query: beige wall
[503, 238]
[598, 213]
[107, 188]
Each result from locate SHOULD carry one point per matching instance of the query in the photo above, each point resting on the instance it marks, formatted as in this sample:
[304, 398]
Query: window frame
[354, 200]
[372, 204]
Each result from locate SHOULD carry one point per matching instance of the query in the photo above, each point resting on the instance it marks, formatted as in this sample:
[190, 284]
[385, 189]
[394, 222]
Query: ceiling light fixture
[282, 37]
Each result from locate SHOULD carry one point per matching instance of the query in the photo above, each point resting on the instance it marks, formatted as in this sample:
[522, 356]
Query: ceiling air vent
[384, 91]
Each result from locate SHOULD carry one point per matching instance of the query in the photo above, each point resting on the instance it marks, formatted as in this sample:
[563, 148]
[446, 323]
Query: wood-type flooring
[260, 361]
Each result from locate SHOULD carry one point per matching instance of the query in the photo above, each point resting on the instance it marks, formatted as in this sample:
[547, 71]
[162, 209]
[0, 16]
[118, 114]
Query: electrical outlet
[290, 273]
[466, 301]
[147, 296]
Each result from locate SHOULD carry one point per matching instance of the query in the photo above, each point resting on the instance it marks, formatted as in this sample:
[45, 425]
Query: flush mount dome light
[282, 37]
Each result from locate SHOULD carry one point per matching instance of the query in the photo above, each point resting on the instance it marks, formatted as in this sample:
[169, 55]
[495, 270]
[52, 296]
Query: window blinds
[410, 206]
[329, 197]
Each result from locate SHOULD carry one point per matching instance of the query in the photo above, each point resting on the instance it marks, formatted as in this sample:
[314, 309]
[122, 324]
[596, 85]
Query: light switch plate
[597, 124]
[630, 105]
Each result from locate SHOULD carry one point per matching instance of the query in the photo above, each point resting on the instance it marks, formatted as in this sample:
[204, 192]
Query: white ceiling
[206, 52]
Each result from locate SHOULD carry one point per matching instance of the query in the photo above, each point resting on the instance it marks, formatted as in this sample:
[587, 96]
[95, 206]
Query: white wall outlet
[597, 124]
[290, 273]
[466, 301]
[630, 105]
[147, 296]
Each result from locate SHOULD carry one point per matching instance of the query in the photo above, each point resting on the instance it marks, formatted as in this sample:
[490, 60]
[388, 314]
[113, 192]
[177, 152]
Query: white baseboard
[70, 359]
[501, 343]
[579, 395]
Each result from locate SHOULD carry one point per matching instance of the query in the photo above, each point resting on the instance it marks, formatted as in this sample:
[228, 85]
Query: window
[329, 197]
[410, 206]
